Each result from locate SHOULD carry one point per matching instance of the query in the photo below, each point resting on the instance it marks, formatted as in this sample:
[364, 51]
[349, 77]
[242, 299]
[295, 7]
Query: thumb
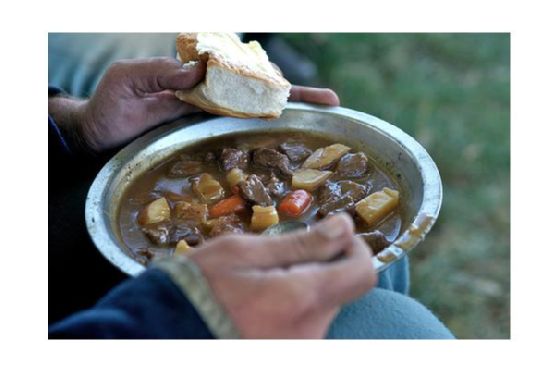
[185, 77]
[153, 75]
[326, 240]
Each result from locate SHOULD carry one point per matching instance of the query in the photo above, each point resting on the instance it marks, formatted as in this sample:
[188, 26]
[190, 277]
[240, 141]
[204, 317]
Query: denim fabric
[396, 277]
[384, 314]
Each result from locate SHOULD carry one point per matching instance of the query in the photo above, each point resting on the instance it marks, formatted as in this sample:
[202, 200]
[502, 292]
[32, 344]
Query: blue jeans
[76, 63]
[387, 312]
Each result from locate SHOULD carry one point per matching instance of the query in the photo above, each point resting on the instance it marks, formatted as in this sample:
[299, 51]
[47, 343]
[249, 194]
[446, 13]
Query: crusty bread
[240, 81]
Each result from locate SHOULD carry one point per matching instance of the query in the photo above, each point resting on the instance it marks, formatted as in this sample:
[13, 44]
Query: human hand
[289, 286]
[136, 95]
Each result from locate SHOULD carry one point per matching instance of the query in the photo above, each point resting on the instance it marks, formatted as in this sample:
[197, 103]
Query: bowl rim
[100, 230]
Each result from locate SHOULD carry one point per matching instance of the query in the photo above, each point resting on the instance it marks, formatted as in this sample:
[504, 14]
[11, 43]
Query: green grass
[452, 93]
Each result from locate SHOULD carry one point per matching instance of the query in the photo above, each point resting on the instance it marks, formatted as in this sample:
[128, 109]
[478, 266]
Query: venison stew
[245, 183]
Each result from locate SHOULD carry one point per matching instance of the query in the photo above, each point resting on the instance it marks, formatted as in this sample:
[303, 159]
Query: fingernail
[334, 227]
[190, 65]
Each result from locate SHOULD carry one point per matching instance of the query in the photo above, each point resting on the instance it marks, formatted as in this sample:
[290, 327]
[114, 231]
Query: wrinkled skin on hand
[136, 95]
[289, 286]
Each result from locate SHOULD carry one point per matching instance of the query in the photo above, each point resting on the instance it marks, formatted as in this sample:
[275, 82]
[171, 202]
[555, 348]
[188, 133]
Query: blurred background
[450, 91]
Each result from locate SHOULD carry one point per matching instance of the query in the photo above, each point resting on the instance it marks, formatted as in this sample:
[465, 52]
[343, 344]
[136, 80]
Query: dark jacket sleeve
[148, 306]
[58, 148]
[65, 149]
[62, 150]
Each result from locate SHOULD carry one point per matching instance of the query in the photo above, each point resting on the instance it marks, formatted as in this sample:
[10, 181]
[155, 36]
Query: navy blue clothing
[147, 307]
[78, 275]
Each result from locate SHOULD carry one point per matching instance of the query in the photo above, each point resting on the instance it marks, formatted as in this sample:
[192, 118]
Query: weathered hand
[289, 286]
[136, 95]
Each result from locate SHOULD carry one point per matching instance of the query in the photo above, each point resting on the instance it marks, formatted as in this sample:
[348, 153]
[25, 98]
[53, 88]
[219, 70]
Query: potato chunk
[182, 247]
[156, 211]
[235, 176]
[323, 158]
[263, 217]
[378, 205]
[207, 188]
[309, 179]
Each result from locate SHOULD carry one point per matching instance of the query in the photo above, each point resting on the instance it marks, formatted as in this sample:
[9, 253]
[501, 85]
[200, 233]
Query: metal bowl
[400, 155]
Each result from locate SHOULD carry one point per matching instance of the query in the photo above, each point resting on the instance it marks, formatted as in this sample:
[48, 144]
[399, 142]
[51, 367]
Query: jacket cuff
[189, 278]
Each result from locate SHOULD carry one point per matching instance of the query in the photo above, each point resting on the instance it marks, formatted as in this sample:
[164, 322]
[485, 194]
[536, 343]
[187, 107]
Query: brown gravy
[155, 183]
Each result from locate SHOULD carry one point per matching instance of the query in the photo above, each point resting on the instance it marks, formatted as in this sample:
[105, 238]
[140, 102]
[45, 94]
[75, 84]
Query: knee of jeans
[396, 277]
[382, 314]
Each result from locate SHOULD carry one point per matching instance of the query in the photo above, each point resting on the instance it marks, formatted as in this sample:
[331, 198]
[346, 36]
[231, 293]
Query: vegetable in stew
[246, 184]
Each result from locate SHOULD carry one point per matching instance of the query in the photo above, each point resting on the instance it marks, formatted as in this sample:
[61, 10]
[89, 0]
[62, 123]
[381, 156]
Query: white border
[24, 268]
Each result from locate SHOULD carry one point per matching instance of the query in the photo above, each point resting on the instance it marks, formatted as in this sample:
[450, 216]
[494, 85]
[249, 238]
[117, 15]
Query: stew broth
[208, 158]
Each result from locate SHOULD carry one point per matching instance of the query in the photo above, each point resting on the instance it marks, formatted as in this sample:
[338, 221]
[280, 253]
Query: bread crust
[186, 45]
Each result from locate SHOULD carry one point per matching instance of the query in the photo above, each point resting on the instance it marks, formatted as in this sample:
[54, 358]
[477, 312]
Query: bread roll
[240, 81]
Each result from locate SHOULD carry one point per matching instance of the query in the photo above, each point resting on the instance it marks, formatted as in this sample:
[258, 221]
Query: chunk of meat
[169, 233]
[274, 186]
[186, 231]
[341, 188]
[351, 166]
[209, 157]
[339, 196]
[234, 158]
[253, 190]
[335, 205]
[159, 233]
[272, 159]
[184, 168]
[144, 255]
[296, 152]
[189, 211]
[229, 224]
[376, 240]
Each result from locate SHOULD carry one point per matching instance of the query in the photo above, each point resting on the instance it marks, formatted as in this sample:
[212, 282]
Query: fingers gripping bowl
[408, 165]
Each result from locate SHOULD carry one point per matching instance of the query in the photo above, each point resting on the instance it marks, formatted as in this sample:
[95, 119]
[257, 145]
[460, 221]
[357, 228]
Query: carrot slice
[295, 203]
[235, 203]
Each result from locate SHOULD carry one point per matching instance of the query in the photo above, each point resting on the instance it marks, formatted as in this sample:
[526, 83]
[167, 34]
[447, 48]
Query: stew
[240, 184]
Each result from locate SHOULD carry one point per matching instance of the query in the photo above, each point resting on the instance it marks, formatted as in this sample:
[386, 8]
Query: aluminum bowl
[400, 155]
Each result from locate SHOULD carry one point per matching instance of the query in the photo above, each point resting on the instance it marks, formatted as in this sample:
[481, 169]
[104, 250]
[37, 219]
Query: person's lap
[76, 63]
[385, 314]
